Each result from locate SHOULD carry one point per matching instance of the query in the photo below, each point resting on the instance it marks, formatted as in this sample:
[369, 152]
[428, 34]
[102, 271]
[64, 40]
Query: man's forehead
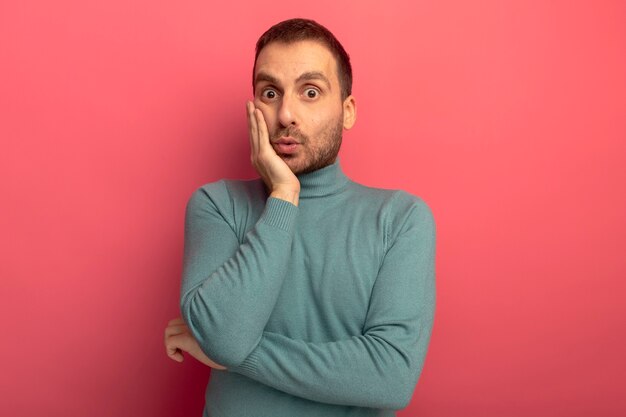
[291, 60]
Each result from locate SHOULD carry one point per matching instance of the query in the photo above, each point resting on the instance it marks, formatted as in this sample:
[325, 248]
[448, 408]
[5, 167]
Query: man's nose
[286, 114]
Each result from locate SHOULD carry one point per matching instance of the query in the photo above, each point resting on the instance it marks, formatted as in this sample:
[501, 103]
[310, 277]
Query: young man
[307, 293]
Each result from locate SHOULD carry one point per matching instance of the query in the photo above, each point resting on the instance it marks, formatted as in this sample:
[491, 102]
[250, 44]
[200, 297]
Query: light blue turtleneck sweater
[323, 309]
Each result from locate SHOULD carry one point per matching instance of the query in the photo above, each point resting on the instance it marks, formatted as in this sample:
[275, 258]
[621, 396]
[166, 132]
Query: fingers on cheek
[258, 120]
[254, 131]
[263, 129]
[262, 123]
[254, 119]
[251, 123]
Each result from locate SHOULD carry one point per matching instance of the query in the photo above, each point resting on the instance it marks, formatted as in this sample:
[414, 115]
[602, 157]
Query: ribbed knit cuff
[248, 367]
[279, 213]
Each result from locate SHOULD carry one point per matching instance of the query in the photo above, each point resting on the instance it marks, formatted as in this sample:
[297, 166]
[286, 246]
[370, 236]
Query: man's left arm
[380, 367]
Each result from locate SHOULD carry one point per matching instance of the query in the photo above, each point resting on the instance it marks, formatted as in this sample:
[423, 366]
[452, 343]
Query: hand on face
[276, 174]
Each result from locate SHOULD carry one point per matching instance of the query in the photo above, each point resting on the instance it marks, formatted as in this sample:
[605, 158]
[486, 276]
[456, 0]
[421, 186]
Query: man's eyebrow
[263, 76]
[311, 75]
[314, 75]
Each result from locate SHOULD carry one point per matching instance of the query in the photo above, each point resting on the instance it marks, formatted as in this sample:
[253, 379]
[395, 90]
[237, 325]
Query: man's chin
[299, 165]
[291, 161]
[295, 168]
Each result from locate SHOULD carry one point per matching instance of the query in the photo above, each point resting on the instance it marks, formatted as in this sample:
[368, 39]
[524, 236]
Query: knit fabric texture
[321, 309]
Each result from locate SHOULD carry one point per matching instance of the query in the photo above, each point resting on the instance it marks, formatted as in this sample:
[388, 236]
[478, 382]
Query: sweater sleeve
[380, 367]
[229, 289]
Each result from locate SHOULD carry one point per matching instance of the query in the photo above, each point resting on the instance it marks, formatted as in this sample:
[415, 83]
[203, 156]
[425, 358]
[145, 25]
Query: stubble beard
[319, 158]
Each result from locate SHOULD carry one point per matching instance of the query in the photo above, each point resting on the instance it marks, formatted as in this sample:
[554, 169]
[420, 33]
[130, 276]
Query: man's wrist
[287, 195]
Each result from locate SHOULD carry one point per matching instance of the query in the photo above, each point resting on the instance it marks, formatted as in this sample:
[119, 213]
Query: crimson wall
[507, 117]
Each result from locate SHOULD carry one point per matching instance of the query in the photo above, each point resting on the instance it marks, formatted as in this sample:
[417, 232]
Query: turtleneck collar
[325, 181]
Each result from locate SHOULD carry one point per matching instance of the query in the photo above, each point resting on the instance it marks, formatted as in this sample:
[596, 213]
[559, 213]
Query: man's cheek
[265, 109]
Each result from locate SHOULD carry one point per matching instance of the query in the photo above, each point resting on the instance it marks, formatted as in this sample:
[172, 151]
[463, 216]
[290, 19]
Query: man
[307, 293]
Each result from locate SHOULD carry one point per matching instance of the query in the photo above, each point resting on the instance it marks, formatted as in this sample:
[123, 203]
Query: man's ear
[349, 112]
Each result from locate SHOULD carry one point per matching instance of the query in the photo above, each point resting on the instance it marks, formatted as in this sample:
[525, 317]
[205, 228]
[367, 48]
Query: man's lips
[286, 145]
[287, 141]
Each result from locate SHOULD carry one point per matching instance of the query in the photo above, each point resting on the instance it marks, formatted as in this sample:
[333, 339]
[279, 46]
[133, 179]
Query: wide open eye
[269, 94]
[311, 93]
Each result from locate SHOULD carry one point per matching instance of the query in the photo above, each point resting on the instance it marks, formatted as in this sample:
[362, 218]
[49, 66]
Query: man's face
[297, 89]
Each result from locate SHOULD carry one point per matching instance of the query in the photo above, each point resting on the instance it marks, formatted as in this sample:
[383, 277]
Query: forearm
[230, 289]
[365, 371]
[227, 305]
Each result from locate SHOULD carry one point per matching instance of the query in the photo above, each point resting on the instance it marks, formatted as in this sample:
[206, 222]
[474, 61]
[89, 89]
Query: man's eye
[269, 94]
[311, 92]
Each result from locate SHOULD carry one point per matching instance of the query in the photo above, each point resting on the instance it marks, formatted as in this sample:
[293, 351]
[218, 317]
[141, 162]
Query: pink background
[508, 118]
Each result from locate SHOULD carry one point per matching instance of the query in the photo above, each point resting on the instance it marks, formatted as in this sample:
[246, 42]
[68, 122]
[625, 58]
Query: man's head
[302, 83]
[294, 30]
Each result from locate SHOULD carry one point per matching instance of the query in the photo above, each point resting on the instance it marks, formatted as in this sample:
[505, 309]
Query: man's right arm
[229, 290]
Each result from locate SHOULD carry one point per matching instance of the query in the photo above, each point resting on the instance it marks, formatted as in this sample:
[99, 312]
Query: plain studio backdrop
[507, 117]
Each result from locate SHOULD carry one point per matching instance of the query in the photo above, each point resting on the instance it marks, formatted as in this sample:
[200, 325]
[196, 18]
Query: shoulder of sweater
[412, 214]
[400, 207]
[222, 195]
[395, 198]
[225, 189]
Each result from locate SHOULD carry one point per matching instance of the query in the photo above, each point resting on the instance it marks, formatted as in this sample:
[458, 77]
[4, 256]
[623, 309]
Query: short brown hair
[294, 30]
